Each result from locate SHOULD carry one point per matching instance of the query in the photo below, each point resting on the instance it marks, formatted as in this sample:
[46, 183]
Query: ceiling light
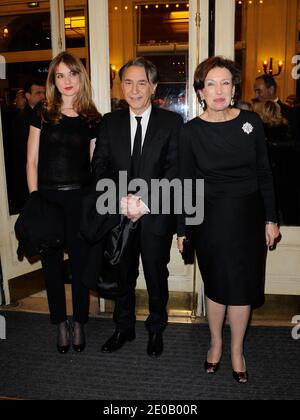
[33, 4]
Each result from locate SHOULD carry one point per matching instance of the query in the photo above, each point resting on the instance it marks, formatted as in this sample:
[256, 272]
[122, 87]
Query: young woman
[60, 147]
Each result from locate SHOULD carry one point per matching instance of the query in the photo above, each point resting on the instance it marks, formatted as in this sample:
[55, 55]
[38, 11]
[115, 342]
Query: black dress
[232, 159]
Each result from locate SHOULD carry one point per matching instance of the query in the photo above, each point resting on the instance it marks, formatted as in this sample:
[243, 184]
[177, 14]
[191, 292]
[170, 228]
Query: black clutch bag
[188, 252]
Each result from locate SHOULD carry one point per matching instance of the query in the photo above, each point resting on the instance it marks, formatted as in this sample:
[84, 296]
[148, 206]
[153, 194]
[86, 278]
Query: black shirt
[64, 151]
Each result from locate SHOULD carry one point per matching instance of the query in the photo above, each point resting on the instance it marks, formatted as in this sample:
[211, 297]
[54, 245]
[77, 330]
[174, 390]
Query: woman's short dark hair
[210, 63]
[150, 69]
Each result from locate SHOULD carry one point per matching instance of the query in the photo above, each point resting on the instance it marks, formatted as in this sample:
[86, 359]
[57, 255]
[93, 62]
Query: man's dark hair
[269, 81]
[150, 69]
[35, 82]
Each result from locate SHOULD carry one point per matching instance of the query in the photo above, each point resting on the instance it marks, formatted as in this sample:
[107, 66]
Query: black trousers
[155, 254]
[70, 202]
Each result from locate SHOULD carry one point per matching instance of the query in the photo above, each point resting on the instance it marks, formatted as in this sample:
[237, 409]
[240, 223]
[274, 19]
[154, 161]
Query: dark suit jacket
[292, 115]
[159, 155]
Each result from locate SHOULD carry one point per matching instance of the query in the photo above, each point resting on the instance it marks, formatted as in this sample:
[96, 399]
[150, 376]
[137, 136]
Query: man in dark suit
[142, 140]
[34, 94]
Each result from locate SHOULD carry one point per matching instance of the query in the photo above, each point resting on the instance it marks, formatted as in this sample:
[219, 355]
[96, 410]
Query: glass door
[167, 48]
[26, 41]
[76, 29]
[25, 45]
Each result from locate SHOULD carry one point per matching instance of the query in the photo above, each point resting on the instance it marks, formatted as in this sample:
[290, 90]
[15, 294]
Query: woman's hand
[180, 240]
[272, 233]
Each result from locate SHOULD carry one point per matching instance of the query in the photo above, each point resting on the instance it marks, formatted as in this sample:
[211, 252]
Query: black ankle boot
[78, 337]
[63, 337]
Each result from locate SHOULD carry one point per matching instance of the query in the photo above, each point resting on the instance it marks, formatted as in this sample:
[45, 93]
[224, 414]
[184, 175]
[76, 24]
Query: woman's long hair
[270, 113]
[83, 103]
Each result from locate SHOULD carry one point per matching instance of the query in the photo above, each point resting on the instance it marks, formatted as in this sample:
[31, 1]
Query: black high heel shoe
[63, 336]
[241, 377]
[211, 368]
[78, 337]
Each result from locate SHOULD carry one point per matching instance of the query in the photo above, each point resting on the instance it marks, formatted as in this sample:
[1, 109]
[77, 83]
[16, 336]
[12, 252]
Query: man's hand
[133, 207]
[180, 241]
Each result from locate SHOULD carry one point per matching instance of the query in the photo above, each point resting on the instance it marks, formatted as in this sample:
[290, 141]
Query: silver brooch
[247, 128]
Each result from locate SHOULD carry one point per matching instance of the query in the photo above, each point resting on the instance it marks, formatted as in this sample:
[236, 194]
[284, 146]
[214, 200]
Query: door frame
[11, 266]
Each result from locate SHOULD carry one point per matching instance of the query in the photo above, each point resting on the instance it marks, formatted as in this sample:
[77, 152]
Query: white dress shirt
[144, 122]
[133, 126]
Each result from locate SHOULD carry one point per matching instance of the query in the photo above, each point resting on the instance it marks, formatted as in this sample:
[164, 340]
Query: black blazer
[293, 117]
[159, 155]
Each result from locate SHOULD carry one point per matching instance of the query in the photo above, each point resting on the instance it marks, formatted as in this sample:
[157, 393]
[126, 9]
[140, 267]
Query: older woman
[225, 146]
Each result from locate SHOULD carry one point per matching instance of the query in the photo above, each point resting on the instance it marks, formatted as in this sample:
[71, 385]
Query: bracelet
[271, 223]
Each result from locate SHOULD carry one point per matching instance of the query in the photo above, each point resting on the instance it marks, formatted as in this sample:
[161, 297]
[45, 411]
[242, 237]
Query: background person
[27, 102]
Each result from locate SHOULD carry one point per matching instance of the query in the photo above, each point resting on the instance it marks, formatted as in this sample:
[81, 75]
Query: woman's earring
[232, 102]
[202, 105]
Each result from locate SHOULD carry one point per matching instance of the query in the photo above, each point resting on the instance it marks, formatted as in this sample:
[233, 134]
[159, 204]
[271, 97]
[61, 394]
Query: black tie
[137, 150]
